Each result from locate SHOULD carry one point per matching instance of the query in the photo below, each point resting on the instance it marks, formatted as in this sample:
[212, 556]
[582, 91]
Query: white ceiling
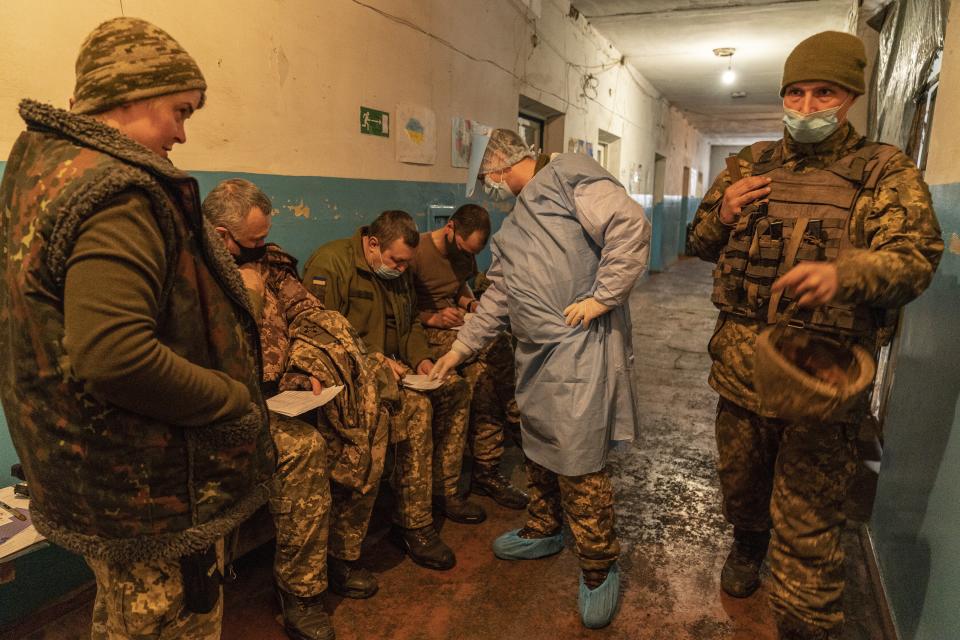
[671, 43]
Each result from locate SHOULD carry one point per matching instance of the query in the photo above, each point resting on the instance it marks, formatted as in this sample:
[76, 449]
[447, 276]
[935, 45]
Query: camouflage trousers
[313, 515]
[493, 407]
[586, 502]
[145, 600]
[433, 422]
[793, 478]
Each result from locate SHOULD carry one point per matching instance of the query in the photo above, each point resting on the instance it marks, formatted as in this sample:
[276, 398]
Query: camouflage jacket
[301, 339]
[894, 231]
[108, 482]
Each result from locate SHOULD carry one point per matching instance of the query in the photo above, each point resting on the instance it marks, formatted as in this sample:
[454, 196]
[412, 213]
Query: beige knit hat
[832, 56]
[128, 59]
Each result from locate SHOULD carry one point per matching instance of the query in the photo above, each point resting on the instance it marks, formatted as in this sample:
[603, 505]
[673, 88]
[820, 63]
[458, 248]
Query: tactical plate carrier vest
[806, 218]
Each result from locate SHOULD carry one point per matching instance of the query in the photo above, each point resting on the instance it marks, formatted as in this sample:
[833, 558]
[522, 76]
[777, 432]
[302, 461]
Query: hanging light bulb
[728, 77]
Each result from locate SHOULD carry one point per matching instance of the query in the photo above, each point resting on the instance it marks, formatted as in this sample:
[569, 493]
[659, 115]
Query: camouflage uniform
[144, 601]
[794, 476]
[327, 473]
[446, 409]
[493, 406]
[338, 273]
[587, 503]
[164, 448]
[300, 504]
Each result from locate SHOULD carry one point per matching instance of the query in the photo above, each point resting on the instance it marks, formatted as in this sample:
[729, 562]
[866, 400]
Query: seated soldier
[442, 266]
[328, 470]
[363, 278]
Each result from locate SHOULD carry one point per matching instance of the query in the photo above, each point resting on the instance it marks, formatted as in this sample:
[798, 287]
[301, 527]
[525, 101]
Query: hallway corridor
[673, 534]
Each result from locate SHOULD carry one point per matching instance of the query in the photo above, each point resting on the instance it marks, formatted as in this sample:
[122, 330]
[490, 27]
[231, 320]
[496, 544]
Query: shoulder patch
[318, 285]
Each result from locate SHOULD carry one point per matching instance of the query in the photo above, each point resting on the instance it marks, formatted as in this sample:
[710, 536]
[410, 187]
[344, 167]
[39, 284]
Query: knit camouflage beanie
[128, 59]
[832, 56]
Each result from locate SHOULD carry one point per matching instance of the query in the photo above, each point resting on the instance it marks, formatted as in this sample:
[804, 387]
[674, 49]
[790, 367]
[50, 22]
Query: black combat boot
[741, 572]
[424, 547]
[305, 618]
[348, 579]
[459, 510]
[488, 481]
[791, 628]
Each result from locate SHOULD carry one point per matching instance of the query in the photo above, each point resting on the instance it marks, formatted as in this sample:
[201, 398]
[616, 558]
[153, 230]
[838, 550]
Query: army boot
[348, 579]
[459, 509]
[741, 572]
[305, 618]
[488, 481]
[424, 547]
[791, 628]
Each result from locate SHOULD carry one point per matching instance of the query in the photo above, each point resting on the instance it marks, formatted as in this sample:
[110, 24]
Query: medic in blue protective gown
[573, 234]
[564, 263]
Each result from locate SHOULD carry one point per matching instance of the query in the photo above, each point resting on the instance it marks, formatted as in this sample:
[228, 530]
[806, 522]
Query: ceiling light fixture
[728, 77]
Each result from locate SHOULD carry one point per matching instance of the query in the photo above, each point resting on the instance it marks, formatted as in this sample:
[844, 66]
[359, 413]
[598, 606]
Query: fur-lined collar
[90, 132]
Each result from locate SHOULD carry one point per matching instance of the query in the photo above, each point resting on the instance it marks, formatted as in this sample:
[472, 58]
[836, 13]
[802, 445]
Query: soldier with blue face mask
[366, 278]
[843, 227]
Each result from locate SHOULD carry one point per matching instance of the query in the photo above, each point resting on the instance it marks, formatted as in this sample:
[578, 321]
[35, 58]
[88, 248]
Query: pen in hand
[16, 514]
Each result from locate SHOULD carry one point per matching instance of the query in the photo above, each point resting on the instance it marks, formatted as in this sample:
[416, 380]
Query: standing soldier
[564, 263]
[328, 470]
[444, 262]
[131, 361]
[365, 278]
[843, 227]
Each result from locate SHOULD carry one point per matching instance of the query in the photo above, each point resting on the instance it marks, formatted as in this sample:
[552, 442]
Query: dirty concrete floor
[673, 534]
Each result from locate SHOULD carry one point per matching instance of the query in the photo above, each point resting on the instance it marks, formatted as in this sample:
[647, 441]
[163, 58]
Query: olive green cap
[831, 56]
[129, 59]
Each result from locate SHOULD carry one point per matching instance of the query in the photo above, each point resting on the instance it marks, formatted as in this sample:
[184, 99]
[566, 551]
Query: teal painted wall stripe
[669, 220]
[337, 206]
[916, 515]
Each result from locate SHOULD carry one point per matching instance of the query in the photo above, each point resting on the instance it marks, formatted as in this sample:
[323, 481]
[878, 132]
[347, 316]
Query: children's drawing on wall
[463, 129]
[417, 140]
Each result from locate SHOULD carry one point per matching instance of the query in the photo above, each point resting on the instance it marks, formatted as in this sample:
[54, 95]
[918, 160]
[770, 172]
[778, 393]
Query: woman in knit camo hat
[129, 370]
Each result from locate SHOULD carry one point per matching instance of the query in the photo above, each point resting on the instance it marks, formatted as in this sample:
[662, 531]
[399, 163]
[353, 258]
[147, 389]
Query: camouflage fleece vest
[806, 218]
[106, 482]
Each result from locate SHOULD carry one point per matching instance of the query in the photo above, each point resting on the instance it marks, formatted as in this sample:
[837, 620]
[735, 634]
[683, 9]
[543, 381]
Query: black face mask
[455, 253]
[249, 254]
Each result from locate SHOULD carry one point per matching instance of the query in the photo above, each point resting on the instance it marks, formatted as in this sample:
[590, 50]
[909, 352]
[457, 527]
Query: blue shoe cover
[598, 606]
[511, 546]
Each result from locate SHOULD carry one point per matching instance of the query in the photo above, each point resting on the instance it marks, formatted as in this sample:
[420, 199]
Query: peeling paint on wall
[954, 246]
[299, 210]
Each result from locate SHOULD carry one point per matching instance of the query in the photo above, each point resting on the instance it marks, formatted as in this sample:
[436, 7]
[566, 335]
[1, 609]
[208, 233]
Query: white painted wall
[287, 79]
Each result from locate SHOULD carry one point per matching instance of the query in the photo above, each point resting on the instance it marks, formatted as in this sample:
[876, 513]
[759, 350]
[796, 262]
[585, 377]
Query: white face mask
[812, 127]
[496, 190]
[384, 271]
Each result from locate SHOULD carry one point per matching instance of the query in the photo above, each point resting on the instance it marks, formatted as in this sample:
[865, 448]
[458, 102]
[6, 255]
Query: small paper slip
[293, 403]
[421, 383]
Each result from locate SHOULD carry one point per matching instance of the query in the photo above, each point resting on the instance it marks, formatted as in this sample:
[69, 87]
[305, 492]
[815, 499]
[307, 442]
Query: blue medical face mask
[496, 190]
[384, 271]
[812, 127]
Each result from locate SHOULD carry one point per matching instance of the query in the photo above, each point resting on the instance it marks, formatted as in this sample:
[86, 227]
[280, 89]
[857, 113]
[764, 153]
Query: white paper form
[293, 403]
[25, 536]
[421, 383]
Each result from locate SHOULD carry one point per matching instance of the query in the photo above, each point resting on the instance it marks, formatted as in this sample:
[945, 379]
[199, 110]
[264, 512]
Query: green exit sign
[374, 123]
